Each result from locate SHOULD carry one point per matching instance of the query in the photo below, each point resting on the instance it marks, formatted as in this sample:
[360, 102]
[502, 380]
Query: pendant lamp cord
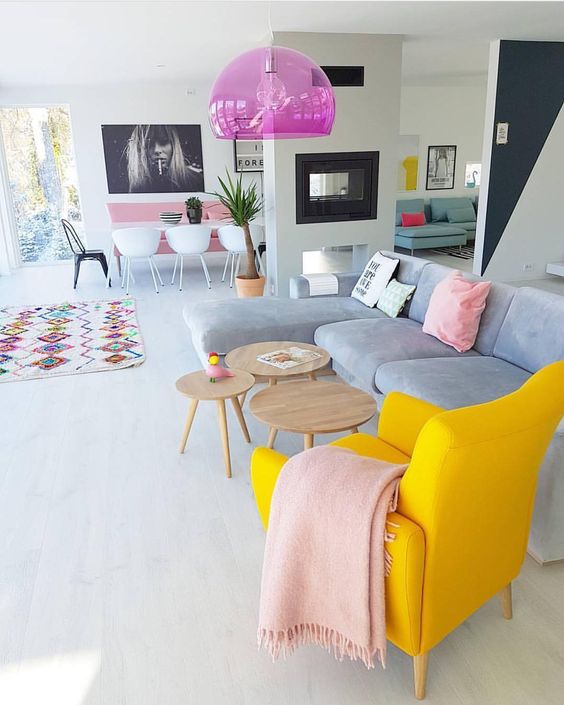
[269, 5]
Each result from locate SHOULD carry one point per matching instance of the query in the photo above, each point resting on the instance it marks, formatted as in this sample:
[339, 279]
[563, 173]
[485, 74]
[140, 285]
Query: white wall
[367, 118]
[533, 235]
[94, 106]
[444, 115]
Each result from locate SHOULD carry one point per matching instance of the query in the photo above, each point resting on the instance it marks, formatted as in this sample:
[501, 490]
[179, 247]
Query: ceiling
[86, 42]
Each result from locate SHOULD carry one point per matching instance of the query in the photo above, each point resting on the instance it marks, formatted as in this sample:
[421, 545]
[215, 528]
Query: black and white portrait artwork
[153, 158]
[441, 163]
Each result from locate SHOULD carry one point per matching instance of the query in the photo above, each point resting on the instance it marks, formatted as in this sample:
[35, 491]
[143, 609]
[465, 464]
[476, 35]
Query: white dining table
[158, 225]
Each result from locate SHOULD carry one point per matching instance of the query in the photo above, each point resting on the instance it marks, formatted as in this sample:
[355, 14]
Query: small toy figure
[214, 370]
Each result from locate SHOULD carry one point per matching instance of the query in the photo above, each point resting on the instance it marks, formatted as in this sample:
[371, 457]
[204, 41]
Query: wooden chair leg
[506, 602]
[420, 664]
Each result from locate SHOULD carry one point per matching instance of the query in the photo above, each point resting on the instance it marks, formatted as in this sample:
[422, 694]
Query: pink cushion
[408, 220]
[455, 308]
[215, 210]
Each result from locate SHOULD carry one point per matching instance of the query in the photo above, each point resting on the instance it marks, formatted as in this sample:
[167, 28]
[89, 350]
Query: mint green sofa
[437, 232]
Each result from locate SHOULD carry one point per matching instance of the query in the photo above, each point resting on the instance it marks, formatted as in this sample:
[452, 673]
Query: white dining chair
[188, 240]
[138, 243]
[232, 238]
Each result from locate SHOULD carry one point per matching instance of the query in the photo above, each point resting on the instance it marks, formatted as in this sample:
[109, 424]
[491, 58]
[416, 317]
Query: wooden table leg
[242, 399]
[354, 429]
[188, 425]
[272, 381]
[312, 376]
[272, 433]
[308, 441]
[239, 414]
[222, 418]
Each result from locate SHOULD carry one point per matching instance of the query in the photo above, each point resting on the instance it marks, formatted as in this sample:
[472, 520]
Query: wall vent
[345, 75]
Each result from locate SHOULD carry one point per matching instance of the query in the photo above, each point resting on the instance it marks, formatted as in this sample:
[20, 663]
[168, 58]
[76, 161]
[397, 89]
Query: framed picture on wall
[248, 155]
[153, 158]
[441, 163]
[472, 174]
[408, 162]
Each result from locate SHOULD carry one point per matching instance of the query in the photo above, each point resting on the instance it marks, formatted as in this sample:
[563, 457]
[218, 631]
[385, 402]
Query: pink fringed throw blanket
[325, 561]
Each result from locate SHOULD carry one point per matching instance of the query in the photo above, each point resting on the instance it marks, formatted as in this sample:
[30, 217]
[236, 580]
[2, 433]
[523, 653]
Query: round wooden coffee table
[311, 408]
[245, 358]
[197, 386]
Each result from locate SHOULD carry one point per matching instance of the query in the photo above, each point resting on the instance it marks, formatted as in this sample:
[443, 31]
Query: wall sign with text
[248, 155]
[502, 133]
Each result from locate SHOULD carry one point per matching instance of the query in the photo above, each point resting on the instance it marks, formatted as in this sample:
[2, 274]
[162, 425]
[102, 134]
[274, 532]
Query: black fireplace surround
[336, 186]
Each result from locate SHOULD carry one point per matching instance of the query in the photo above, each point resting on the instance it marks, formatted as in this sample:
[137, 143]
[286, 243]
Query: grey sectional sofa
[521, 331]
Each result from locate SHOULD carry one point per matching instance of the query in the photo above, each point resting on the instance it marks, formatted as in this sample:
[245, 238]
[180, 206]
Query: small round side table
[311, 408]
[197, 387]
[245, 358]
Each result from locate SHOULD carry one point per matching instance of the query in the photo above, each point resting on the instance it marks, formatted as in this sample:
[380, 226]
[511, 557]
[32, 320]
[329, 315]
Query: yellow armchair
[465, 503]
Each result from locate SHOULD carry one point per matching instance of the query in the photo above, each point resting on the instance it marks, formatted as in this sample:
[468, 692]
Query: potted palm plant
[194, 209]
[244, 204]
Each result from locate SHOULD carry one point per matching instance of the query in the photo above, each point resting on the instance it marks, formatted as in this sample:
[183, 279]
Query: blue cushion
[531, 335]
[439, 206]
[430, 277]
[410, 205]
[461, 215]
[471, 225]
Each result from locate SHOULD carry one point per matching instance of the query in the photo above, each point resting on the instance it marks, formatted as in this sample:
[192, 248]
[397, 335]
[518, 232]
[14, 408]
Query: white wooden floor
[129, 575]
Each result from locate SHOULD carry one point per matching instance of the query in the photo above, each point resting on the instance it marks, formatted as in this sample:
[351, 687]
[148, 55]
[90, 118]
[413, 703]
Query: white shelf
[555, 268]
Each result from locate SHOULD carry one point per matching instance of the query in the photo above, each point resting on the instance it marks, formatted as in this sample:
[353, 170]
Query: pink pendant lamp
[271, 93]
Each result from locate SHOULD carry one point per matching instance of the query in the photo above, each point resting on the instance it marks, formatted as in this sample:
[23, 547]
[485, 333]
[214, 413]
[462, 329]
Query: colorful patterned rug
[68, 339]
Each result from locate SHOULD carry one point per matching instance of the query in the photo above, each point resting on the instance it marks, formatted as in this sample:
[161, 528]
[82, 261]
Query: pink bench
[147, 214]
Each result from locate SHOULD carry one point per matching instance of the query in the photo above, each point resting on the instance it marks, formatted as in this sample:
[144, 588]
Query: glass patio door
[42, 180]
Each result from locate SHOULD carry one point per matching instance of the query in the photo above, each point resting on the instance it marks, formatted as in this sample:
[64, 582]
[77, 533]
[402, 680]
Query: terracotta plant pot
[249, 287]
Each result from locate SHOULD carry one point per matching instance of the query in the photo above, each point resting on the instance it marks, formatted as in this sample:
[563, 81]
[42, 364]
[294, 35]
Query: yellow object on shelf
[411, 166]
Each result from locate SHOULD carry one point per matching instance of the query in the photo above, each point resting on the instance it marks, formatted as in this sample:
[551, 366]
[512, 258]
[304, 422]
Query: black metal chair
[80, 253]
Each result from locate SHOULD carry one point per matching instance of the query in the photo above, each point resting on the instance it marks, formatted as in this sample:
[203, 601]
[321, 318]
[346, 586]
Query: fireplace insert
[336, 186]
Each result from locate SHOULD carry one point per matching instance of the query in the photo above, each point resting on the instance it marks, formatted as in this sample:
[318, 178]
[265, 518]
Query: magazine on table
[285, 359]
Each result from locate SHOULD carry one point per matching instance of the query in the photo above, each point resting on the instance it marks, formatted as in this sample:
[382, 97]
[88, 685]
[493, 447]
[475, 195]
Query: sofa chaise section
[423, 237]
[222, 326]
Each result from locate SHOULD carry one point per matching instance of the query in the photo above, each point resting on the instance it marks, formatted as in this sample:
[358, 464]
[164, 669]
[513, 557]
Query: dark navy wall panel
[530, 94]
